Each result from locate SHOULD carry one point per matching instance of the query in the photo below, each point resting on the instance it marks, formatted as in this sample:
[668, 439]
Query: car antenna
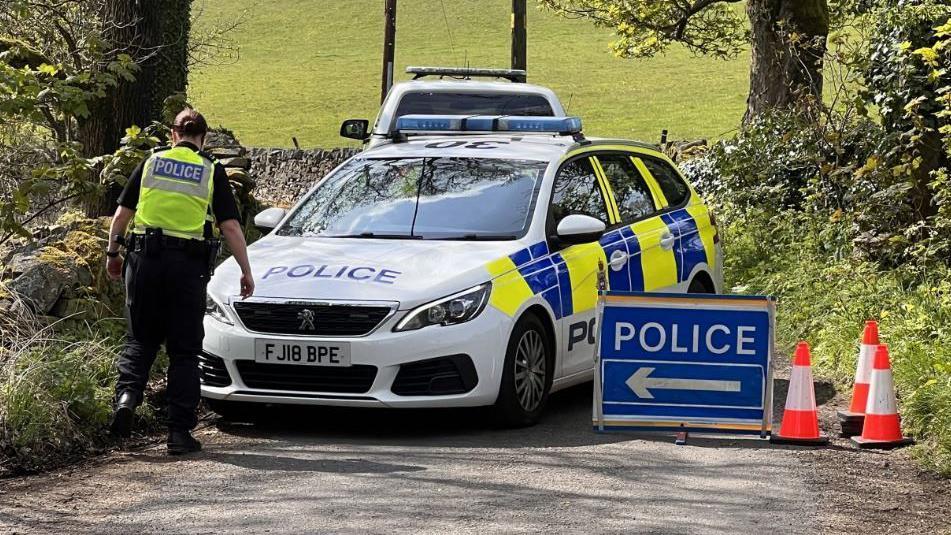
[568, 107]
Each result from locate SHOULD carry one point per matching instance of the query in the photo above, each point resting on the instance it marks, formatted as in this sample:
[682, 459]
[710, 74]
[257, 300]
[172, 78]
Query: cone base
[850, 423]
[865, 443]
[820, 441]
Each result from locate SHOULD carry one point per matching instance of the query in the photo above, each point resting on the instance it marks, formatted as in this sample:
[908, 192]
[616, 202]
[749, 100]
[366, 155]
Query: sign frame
[681, 424]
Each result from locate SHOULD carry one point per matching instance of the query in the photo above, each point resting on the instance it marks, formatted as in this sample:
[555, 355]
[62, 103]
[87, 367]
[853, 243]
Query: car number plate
[302, 353]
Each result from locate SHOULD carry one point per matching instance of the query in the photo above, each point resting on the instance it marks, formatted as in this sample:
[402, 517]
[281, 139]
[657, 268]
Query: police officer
[171, 200]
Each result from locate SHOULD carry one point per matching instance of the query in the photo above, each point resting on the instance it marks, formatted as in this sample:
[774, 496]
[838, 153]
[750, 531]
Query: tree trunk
[788, 44]
[167, 24]
[155, 33]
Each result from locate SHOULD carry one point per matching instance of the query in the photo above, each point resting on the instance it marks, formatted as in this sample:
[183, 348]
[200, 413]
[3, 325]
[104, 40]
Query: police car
[454, 91]
[457, 266]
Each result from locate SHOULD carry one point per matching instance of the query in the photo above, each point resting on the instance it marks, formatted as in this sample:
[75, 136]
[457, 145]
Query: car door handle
[667, 241]
[618, 259]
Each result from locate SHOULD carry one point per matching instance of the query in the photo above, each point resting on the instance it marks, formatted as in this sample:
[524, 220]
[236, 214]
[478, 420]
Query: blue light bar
[426, 123]
[488, 123]
[568, 125]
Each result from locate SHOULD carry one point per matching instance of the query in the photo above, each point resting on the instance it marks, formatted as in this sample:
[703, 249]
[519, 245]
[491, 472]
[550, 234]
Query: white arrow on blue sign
[641, 384]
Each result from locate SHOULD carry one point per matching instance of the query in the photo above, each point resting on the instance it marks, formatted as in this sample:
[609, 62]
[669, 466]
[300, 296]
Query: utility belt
[151, 244]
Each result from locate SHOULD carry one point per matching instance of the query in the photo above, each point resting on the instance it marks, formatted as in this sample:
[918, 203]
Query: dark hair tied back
[190, 123]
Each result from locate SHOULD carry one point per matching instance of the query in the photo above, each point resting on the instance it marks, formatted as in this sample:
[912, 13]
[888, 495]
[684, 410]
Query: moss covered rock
[68, 265]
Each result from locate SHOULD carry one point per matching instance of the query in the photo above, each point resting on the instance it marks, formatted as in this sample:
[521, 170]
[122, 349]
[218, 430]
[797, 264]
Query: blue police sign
[684, 362]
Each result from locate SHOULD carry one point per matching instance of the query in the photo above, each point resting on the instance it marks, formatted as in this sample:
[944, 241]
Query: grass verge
[825, 297]
[56, 384]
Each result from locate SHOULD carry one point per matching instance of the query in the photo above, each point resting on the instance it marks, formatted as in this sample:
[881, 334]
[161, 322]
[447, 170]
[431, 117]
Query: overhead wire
[445, 16]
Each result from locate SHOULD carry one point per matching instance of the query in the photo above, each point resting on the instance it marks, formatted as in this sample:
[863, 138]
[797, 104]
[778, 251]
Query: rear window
[474, 104]
[674, 188]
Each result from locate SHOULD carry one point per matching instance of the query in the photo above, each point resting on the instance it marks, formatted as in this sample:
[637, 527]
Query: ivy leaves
[645, 28]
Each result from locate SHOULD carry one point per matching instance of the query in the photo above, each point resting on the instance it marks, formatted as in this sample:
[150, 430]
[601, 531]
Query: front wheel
[234, 411]
[700, 286]
[527, 374]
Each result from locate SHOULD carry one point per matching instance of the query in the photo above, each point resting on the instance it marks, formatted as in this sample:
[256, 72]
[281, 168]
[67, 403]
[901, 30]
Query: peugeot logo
[306, 318]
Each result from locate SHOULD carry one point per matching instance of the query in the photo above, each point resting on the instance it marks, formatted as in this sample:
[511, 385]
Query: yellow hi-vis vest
[175, 194]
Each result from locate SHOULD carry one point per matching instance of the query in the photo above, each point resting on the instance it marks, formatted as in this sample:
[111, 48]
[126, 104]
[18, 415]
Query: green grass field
[306, 65]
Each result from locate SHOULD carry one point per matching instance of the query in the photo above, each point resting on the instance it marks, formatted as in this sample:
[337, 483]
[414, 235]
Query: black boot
[122, 416]
[180, 441]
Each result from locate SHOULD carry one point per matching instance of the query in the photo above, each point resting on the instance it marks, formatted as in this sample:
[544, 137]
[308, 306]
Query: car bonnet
[410, 272]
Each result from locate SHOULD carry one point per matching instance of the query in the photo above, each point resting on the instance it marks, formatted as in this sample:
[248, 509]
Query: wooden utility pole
[389, 48]
[519, 59]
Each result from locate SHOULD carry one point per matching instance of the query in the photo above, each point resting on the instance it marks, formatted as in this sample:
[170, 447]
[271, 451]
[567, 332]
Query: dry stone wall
[282, 176]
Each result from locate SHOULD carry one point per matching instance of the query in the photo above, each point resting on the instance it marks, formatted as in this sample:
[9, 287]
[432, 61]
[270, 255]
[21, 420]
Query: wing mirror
[355, 129]
[268, 219]
[577, 228]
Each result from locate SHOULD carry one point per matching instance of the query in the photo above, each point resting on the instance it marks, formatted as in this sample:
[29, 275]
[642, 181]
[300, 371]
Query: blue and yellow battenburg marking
[534, 271]
[567, 280]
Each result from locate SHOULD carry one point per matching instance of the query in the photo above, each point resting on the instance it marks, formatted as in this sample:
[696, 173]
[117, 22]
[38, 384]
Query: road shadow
[270, 462]
[566, 423]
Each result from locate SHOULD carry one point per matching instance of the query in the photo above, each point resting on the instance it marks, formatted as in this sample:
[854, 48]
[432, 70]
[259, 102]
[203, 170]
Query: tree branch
[38, 213]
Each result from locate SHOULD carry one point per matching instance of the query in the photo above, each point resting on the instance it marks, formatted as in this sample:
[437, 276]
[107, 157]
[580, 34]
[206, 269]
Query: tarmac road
[442, 471]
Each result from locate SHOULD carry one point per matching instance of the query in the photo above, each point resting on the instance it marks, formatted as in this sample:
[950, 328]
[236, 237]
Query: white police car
[458, 266]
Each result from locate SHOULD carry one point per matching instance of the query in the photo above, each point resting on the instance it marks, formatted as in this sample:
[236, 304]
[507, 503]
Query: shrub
[56, 390]
[825, 295]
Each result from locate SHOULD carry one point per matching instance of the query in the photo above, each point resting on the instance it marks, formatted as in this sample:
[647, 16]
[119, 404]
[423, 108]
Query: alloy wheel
[530, 370]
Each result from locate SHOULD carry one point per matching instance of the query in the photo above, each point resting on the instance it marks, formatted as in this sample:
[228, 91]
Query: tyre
[527, 374]
[234, 411]
[699, 285]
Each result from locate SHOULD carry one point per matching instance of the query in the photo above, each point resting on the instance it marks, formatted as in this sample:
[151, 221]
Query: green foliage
[907, 80]
[56, 389]
[646, 28]
[825, 295]
[783, 160]
[44, 94]
[845, 216]
[55, 399]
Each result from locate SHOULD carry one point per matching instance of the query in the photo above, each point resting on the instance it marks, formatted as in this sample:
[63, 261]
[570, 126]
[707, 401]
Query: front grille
[321, 320]
[441, 376]
[213, 370]
[344, 380]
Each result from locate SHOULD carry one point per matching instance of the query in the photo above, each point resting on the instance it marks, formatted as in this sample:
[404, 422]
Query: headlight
[213, 309]
[458, 308]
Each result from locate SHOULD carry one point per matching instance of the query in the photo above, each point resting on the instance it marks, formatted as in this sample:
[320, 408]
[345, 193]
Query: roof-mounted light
[514, 75]
[487, 123]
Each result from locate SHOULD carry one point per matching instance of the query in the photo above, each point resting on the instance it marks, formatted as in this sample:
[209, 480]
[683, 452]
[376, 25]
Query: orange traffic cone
[801, 419]
[882, 427]
[851, 420]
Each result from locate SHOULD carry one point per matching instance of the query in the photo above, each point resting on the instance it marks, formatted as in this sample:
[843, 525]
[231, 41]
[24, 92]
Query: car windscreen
[474, 104]
[423, 198]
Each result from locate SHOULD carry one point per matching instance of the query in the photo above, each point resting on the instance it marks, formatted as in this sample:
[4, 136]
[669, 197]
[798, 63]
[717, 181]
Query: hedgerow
[844, 213]
[825, 295]
[56, 389]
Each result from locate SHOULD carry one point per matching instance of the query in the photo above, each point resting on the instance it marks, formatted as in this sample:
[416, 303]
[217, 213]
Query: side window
[577, 192]
[674, 188]
[633, 197]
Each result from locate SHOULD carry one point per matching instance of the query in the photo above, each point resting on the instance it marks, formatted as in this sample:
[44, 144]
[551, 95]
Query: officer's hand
[247, 285]
[114, 268]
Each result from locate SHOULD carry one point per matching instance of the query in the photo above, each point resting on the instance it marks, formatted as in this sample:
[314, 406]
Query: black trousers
[165, 303]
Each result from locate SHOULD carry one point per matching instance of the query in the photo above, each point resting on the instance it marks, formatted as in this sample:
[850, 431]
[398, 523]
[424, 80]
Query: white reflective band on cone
[801, 396]
[881, 394]
[863, 373]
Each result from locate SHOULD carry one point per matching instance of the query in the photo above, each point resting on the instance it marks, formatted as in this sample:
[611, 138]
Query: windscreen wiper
[481, 237]
[375, 236]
